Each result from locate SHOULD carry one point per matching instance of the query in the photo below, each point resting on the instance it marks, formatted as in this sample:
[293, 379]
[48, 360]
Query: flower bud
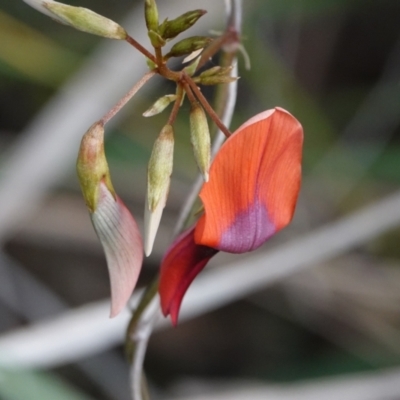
[92, 165]
[155, 39]
[200, 138]
[211, 71]
[171, 29]
[158, 181]
[151, 15]
[217, 79]
[216, 71]
[188, 45]
[160, 105]
[80, 18]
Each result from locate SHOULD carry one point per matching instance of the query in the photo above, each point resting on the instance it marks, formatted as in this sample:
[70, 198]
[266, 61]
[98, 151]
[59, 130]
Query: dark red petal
[182, 263]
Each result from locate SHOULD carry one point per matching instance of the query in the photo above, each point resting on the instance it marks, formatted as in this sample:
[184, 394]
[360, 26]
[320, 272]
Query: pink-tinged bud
[113, 223]
[160, 105]
[158, 182]
[200, 138]
[80, 18]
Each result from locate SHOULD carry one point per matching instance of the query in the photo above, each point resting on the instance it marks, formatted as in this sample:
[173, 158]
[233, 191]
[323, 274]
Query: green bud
[155, 39]
[189, 45]
[92, 165]
[160, 166]
[210, 71]
[160, 105]
[216, 75]
[200, 138]
[217, 79]
[80, 18]
[158, 181]
[151, 15]
[216, 71]
[171, 29]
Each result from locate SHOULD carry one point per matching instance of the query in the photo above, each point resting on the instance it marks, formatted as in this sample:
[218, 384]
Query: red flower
[251, 194]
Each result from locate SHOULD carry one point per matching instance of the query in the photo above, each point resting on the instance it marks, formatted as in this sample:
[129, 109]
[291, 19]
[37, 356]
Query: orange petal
[254, 184]
[122, 244]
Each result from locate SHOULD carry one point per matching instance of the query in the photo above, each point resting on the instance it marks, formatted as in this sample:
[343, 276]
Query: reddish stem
[177, 105]
[140, 48]
[190, 88]
[138, 85]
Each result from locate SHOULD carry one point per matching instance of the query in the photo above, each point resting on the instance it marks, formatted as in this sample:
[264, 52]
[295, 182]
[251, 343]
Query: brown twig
[140, 48]
[136, 87]
[192, 90]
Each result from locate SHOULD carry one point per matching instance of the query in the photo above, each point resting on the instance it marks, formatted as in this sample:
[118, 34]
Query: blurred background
[326, 325]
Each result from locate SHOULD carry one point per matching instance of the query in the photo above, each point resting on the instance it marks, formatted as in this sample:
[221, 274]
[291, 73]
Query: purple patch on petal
[251, 228]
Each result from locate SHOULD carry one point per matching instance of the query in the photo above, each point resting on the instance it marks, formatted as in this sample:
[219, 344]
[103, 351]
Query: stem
[177, 104]
[136, 87]
[210, 111]
[159, 56]
[140, 48]
[141, 324]
[146, 299]
[137, 337]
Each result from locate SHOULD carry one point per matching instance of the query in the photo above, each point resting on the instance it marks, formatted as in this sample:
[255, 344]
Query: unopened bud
[217, 79]
[188, 45]
[216, 75]
[200, 138]
[155, 39]
[171, 29]
[80, 18]
[216, 71]
[92, 165]
[151, 15]
[158, 181]
[160, 105]
[211, 71]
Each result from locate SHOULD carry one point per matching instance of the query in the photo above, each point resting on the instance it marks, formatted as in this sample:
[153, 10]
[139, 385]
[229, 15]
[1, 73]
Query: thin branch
[141, 337]
[140, 48]
[135, 88]
[191, 85]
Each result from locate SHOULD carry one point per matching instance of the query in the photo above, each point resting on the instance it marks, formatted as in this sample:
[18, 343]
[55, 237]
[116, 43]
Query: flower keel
[122, 244]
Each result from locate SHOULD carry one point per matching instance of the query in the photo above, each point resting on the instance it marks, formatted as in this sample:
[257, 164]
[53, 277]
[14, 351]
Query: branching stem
[190, 87]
